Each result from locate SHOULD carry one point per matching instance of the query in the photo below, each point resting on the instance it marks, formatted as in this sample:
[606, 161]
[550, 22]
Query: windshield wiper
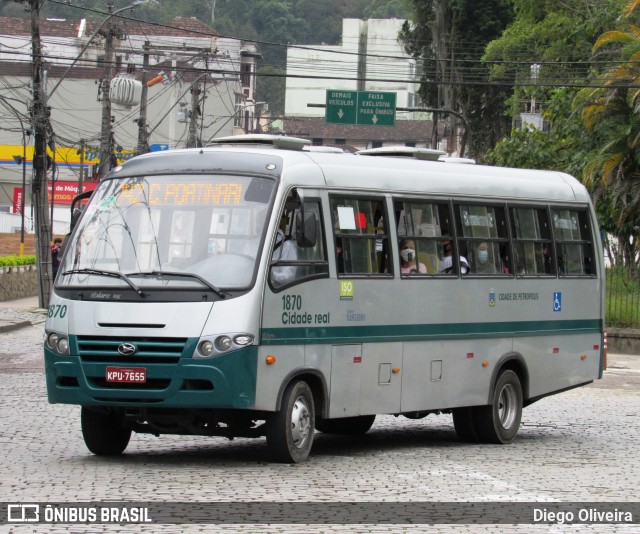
[221, 293]
[113, 274]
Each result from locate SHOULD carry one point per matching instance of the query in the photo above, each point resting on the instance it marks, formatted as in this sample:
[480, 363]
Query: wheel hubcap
[507, 410]
[300, 422]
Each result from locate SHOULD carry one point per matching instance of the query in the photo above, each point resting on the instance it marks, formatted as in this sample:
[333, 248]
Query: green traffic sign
[341, 106]
[377, 108]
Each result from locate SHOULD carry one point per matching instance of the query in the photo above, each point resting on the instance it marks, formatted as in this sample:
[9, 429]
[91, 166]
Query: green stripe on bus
[425, 332]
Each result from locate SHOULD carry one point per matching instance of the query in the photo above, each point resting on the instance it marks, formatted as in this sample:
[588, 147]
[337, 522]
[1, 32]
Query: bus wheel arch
[316, 381]
[516, 363]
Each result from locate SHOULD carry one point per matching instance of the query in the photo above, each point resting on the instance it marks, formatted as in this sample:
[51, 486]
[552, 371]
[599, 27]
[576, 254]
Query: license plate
[129, 375]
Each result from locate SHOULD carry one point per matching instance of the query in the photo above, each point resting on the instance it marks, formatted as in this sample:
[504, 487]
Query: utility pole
[39, 186]
[192, 140]
[106, 138]
[142, 121]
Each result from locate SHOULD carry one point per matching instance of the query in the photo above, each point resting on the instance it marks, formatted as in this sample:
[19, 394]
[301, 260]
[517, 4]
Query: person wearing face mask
[446, 265]
[408, 259]
[484, 263]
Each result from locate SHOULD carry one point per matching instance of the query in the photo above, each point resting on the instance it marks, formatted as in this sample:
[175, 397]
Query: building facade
[200, 86]
[369, 58]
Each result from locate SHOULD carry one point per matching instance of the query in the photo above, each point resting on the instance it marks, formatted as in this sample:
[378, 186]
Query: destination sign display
[183, 193]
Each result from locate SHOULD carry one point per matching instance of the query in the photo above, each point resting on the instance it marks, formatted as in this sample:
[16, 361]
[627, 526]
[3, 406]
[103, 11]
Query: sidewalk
[16, 314]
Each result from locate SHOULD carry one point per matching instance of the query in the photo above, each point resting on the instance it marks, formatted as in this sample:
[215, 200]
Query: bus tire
[464, 423]
[290, 429]
[499, 422]
[347, 426]
[104, 433]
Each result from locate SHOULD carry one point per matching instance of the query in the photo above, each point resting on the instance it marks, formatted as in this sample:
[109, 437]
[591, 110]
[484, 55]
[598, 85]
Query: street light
[253, 104]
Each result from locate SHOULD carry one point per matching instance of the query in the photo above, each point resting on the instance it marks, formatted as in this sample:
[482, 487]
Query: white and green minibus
[260, 288]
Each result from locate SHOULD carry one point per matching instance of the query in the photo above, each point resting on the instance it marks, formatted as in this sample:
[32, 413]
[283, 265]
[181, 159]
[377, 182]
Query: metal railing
[623, 299]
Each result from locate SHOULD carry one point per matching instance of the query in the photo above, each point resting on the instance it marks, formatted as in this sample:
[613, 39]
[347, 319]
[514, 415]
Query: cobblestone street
[574, 447]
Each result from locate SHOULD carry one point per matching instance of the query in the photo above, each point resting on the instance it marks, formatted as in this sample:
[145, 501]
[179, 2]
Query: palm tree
[610, 113]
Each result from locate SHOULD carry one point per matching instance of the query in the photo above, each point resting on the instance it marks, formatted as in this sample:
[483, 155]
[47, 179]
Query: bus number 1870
[291, 302]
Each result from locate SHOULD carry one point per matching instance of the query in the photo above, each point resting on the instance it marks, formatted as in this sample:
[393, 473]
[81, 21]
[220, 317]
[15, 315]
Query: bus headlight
[58, 343]
[215, 346]
[223, 343]
[206, 348]
[243, 340]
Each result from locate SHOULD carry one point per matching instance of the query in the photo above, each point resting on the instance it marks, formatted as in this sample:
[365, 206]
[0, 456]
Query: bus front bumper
[225, 381]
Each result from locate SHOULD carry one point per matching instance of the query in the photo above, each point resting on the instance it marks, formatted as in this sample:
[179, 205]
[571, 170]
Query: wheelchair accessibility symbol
[557, 301]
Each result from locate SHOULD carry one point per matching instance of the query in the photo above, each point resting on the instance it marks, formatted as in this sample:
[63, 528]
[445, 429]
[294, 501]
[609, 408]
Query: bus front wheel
[290, 429]
[104, 433]
[499, 422]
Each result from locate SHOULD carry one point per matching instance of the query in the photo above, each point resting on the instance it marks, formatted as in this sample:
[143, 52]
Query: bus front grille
[103, 349]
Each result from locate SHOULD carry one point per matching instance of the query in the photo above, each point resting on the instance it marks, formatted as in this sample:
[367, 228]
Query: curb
[11, 326]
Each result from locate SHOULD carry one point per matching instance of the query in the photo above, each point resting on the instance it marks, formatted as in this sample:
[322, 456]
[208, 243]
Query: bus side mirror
[77, 208]
[75, 217]
[306, 229]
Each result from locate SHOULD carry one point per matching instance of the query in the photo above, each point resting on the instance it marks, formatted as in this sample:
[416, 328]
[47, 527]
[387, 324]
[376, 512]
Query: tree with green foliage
[548, 42]
[450, 37]
[610, 116]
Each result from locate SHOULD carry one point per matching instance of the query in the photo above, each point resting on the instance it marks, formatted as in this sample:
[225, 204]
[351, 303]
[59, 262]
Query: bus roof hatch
[405, 152]
[278, 141]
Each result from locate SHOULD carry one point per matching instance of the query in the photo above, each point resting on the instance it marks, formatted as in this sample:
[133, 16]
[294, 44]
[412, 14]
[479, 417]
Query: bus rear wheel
[347, 426]
[499, 422]
[103, 433]
[290, 429]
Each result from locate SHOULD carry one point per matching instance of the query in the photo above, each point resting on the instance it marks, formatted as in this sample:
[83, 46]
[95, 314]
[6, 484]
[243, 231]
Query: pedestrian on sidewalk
[55, 256]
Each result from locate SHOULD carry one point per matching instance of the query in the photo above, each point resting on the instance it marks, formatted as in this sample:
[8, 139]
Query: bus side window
[291, 263]
[484, 238]
[426, 226]
[532, 241]
[573, 242]
[361, 236]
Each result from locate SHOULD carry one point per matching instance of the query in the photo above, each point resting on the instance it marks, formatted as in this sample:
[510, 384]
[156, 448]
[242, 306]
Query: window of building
[240, 102]
[245, 74]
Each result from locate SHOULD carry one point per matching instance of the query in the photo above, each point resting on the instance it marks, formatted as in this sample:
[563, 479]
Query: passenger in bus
[339, 256]
[546, 258]
[284, 249]
[446, 265]
[484, 262]
[408, 259]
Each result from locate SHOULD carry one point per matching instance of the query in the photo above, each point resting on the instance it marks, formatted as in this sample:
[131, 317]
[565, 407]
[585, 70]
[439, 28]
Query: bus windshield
[169, 232]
